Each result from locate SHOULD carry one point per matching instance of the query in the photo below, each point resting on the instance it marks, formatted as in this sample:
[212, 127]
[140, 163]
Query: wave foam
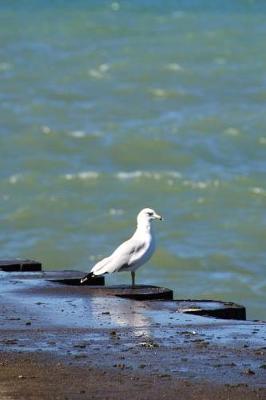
[148, 174]
[201, 184]
[13, 179]
[82, 175]
[258, 190]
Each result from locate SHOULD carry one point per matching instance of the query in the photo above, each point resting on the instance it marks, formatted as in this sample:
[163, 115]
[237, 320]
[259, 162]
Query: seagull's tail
[86, 277]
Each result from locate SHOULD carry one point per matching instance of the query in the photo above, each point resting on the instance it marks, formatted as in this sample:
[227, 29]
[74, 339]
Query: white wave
[173, 67]
[77, 134]
[82, 134]
[100, 72]
[148, 174]
[129, 175]
[46, 130]
[201, 184]
[116, 211]
[115, 6]
[231, 131]
[158, 92]
[258, 190]
[262, 140]
[13, 179]
[84, 175]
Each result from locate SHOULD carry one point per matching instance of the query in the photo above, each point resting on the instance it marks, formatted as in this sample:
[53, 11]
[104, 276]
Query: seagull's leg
[133, 278]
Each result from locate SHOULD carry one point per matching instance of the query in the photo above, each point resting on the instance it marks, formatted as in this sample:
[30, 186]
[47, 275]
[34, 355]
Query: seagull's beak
[158, 217]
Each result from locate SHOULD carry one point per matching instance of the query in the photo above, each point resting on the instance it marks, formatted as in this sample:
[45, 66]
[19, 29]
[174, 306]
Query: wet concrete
[218, 309]
[151, 337]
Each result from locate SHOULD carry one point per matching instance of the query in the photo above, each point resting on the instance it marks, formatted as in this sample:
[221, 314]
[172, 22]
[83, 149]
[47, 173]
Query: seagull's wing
[97, 268]
[138, 252]
[122, 258]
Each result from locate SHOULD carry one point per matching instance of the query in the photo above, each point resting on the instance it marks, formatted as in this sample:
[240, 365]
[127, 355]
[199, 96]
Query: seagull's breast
[144, 252]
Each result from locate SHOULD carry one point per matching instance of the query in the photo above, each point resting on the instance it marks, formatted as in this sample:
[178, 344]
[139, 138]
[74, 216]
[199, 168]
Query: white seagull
[133, 253]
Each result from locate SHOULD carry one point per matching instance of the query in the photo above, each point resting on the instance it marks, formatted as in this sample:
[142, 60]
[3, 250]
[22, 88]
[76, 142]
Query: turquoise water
[109, 107]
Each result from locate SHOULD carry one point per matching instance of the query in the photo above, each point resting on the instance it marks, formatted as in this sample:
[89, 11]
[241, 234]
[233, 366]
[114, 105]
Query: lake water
[109, 107]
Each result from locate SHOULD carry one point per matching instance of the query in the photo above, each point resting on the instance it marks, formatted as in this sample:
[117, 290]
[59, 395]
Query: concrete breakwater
[94, 326]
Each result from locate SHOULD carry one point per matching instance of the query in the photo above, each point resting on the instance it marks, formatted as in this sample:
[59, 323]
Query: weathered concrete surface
[149, 341]
[225, 310]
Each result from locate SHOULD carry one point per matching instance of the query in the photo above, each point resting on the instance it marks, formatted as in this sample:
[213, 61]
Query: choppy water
[110, 107]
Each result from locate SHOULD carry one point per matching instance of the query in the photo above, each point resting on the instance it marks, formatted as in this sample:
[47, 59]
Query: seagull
[133, 253]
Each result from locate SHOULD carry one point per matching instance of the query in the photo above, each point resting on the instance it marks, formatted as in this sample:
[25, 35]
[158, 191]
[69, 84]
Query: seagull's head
[148, 214]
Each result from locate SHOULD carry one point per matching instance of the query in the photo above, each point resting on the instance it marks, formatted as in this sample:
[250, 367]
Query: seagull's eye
[150, 214]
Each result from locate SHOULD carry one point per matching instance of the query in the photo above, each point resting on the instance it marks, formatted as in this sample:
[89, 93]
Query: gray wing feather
[122, 259]
[97, 268]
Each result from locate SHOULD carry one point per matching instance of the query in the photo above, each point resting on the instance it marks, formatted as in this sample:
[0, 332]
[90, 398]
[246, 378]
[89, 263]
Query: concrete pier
[104, 342]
